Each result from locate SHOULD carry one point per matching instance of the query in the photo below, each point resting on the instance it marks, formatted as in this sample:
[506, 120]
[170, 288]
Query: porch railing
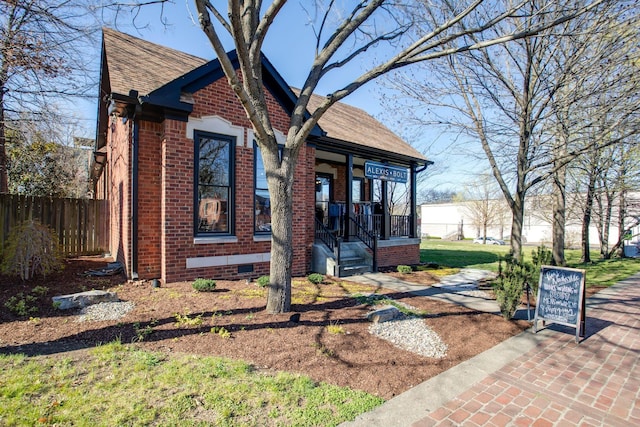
[329, 238]
[400, 224]
[368, 238]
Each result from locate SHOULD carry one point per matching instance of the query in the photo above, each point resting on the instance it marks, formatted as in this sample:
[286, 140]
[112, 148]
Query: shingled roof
[348, 123]
[136, 64]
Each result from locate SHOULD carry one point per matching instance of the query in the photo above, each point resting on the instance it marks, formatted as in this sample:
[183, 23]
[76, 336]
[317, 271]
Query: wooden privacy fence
[82, 225]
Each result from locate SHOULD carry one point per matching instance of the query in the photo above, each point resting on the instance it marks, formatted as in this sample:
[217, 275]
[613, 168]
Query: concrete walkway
[459, 288]
[542, 379]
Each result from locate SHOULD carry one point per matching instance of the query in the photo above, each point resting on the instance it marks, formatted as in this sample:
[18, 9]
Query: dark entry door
[323, 197]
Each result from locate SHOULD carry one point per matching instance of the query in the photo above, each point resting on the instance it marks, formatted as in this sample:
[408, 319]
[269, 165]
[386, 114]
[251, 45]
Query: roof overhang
[340, 147]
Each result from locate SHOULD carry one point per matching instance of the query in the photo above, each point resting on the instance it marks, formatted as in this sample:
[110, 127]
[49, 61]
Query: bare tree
[621, 176]
[603, 118]
[482, 203]
[42, 61]
[505, 97]
[596, 96]
[41, 163]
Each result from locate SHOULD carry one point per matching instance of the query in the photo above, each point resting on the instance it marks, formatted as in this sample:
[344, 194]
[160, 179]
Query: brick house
[175, 156]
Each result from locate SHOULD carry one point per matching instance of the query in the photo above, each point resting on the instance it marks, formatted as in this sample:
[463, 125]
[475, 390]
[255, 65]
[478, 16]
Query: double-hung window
[214, 156]
[262, 201]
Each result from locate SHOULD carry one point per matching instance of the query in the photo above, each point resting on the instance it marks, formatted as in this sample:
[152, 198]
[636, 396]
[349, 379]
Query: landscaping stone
[83, 299]
[384, 314]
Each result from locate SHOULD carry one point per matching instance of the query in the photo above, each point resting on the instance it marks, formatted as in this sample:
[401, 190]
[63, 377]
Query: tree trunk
[586, 219]
[606, 224]
[622, 213]
[559, 219]
[517, 210]
[280, 181]
[4, 181]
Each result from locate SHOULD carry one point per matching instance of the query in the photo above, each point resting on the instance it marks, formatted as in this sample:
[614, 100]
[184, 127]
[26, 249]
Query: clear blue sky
[290, 47]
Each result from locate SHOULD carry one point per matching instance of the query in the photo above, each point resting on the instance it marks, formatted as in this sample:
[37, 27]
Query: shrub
[263, 281]
[511, 283]
[404, 269]
[315, 278]
[204, 285]
[40, 291]
[20, 304]
[541, 256]
[32, 248]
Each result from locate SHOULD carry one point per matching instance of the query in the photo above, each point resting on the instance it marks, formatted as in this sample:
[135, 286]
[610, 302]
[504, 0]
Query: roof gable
[125, 54]
[161, 76]
[170, 94]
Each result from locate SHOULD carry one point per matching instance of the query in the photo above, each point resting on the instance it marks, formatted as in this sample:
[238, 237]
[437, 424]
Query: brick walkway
[561, 383]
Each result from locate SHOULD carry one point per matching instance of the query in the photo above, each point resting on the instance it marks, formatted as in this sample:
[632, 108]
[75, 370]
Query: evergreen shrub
[315, 278]
[404, 269]
[204, 285]
[511, 284]
[263, 281]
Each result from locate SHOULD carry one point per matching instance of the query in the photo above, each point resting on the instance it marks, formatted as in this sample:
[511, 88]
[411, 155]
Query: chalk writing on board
[561, 298]
[559, 295]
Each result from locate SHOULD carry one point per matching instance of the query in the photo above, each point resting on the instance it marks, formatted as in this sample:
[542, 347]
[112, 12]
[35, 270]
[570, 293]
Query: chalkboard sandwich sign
[561, 298]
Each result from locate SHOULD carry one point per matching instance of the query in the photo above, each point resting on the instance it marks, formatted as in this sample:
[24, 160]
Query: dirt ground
[231, 321]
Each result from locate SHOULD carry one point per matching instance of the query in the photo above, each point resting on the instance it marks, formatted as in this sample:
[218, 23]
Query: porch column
[349, 197]
[413, 201]
[385, 231]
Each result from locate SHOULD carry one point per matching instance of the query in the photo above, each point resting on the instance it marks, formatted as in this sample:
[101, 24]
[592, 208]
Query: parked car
[490, 241]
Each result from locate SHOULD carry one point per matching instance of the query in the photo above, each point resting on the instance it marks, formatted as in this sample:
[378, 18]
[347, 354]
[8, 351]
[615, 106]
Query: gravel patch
[104, 311]
[411, 334]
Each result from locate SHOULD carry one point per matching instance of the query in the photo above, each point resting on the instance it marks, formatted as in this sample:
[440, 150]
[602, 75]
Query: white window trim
[215, 124]
[280, 138]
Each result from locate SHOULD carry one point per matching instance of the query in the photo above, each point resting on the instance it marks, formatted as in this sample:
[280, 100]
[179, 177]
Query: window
[323, 198]
[262, 200]
[262, 218]
[357, 190]
[214, 189]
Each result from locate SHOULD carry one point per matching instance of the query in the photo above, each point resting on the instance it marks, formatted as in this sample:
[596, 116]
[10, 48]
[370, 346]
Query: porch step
[353, 265]
[353, 270]
[354, 259]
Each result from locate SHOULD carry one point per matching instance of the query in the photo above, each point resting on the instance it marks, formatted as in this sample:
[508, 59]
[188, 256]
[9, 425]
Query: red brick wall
[339, 187]
[149, 197]
[119, 189]
[167, 187]
[304, 211]
[398, 255]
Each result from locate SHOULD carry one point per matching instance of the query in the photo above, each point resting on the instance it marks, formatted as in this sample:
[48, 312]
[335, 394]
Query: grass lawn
[121, 385]
[466, 254]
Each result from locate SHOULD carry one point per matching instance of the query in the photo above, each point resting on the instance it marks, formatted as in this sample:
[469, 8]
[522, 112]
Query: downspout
[413, 230]
[413, 205]
[134, 199]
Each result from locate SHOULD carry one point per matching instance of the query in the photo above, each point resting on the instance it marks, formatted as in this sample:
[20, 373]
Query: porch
[361, 219]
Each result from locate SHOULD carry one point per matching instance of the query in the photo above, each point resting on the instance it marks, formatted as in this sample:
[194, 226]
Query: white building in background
[449, 220]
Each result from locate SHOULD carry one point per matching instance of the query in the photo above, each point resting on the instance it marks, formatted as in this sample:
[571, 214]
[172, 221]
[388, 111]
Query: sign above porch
[375, 170]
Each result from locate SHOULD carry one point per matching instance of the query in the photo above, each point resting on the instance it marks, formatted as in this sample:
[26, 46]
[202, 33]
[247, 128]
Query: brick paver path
[561, 383]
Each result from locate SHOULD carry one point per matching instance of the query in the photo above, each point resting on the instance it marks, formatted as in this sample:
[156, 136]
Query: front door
[323, 197]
